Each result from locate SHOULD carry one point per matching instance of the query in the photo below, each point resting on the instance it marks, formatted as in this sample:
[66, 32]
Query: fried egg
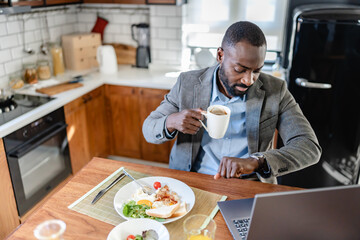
[142, 198]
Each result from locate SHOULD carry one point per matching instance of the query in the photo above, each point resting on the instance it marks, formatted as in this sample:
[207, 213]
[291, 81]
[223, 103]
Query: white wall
[165, 23]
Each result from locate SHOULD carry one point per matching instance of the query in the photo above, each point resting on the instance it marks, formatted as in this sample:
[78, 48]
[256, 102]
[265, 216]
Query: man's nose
[248, 78]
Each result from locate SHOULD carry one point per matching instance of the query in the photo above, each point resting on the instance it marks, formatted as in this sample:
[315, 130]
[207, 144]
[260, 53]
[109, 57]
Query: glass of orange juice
[199, 227]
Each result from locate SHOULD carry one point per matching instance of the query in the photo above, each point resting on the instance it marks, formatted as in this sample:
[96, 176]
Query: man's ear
[219, 55]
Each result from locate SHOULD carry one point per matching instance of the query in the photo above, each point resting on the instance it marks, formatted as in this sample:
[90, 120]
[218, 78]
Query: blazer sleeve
[154, 125]
[301, 147]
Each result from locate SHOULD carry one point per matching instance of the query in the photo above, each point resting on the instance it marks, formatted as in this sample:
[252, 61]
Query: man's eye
[239, 71]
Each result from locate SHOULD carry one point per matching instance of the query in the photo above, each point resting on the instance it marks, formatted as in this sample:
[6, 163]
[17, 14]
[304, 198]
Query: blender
[140, 33]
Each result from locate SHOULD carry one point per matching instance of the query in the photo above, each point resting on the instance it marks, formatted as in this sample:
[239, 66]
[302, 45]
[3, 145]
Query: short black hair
[243, 31]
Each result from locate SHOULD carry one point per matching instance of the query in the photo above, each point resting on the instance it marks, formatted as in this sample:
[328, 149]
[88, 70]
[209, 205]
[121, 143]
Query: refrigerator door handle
[302, 82]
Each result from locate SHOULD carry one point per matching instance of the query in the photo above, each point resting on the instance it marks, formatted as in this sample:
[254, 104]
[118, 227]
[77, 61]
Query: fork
[145, 189]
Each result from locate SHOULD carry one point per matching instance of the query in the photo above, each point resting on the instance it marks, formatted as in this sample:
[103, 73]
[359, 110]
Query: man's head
[241, 57]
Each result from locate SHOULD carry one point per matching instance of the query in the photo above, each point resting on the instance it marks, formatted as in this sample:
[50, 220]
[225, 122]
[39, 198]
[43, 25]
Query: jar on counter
[43, 70]
[30, 74]
[15, 81]
[57, 58]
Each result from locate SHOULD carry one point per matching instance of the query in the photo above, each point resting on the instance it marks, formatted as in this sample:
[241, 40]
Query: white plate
[137, 226]
[185, 193]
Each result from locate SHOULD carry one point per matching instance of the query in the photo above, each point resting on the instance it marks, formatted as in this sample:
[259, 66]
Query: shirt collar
[216, 95]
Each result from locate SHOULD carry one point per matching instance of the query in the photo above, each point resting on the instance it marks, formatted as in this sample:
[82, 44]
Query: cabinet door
[170, 2]
[124, 121]
[75, 115]
[96, 123]
[53, 2]
[9, 218]
[149, 100]
[130, 1]
[28, 3]
[98, 1]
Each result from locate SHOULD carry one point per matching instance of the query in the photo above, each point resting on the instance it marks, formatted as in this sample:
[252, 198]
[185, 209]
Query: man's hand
[186, 121]
[231, 167]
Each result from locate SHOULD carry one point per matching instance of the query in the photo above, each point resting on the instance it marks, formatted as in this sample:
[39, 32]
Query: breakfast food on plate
[159, 206]
[146, 235]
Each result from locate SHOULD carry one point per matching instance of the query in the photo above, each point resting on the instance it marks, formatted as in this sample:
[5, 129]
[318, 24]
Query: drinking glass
[199, 227]
[50, 230]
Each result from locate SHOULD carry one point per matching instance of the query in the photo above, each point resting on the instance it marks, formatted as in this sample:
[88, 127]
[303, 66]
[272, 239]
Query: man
[259, 104]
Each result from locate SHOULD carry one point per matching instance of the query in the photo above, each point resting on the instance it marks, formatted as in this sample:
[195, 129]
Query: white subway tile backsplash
[32, 24]
[167, 33]
[29, 59]
[71, 18]
[2, 71]
[60, 19]
[174, 44]
[9, 41]
[17, 53]
[5, 56]
[13, 27]
[113, 28]
[118, 18]
[3, 18]
[168, 54]
[166, 11]
[158, 21]
[158, 44]
[86, 17]
[13, 66]
[3, 30]
[174, 22]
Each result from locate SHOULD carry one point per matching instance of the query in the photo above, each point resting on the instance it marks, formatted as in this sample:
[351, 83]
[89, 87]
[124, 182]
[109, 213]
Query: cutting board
[52, 90]
[125, 54]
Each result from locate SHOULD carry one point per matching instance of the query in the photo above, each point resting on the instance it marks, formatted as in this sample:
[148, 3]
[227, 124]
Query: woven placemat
[103, 209]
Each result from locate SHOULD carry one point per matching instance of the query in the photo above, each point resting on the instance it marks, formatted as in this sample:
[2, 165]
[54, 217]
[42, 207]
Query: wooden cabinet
[124, 120]
[9, 218]
[128, 107]
[149, 100]
[55, 2]
[42, 3]
[86, 131]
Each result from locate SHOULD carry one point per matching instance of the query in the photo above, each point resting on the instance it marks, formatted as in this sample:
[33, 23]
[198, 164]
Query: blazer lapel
[202, 90]
[254, 102]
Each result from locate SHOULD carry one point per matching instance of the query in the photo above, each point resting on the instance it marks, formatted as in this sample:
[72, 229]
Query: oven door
[39, 166]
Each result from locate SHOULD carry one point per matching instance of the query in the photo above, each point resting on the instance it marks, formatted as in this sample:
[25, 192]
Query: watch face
[259, 155]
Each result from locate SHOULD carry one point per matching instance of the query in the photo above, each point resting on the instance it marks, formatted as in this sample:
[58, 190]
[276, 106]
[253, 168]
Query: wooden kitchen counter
[80, 226]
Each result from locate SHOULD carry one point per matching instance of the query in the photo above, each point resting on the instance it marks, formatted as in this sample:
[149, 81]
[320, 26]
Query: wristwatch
[261, 161]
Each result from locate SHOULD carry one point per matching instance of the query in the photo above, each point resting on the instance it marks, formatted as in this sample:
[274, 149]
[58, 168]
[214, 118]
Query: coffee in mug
[218, 118]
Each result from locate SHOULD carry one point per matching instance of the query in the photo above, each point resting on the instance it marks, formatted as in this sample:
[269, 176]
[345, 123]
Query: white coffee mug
[218, 118]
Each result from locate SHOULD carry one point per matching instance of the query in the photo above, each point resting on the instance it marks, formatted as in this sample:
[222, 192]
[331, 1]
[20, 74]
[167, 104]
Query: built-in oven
[38, 158]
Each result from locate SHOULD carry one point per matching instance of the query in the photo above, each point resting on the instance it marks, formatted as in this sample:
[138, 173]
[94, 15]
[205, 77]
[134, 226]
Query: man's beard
[231, 90]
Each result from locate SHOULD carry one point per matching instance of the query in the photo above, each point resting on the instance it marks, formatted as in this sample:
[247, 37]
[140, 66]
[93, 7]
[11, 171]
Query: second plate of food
[172, 200]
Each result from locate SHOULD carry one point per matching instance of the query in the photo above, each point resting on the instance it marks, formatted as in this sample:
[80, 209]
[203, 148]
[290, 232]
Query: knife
[103, 191]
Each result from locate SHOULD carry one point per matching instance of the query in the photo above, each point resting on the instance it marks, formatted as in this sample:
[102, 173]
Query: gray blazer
[269, 106]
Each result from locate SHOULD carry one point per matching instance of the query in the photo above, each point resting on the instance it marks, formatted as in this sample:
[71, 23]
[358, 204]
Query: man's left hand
[231, 167]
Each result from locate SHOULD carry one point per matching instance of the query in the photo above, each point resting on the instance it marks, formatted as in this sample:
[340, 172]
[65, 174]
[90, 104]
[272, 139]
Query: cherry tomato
[130, 237]
[157, 185]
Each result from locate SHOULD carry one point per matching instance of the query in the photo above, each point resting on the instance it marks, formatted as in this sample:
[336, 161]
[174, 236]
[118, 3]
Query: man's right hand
[186, 121]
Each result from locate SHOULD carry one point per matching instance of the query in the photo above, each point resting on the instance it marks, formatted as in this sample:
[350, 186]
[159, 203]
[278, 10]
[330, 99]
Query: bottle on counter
[57, 58]
[30, 74]
[43, 70]
[15, 81]
[276, 67]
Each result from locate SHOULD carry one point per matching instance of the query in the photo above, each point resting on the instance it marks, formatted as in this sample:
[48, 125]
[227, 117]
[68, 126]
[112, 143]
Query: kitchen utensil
[141, 34]
[106, 57]
[103, 191]
[146, 189]
[25, 49]
[125, 54]
[55, 89]
[44, 46]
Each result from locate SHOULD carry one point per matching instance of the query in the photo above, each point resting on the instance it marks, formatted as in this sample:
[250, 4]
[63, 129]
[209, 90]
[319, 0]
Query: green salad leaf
[131, 209]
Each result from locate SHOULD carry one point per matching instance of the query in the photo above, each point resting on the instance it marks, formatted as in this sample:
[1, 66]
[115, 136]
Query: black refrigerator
[324, 78]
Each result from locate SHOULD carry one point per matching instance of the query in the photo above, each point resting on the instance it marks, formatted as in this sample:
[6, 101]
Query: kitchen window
[207, 20]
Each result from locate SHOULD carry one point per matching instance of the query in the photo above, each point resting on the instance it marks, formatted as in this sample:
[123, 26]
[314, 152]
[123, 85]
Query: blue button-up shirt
[233, 144]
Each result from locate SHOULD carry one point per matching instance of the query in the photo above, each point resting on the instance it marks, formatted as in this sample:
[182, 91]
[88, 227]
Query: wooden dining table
[81, 226]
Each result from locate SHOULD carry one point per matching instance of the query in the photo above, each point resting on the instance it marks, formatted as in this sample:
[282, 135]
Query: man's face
[239, 67]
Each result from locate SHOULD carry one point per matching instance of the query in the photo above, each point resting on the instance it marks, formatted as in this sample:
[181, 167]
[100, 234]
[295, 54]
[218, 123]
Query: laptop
[322, 213]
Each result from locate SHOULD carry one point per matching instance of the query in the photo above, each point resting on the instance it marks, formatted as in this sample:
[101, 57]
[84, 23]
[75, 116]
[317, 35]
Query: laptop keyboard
[242, 225]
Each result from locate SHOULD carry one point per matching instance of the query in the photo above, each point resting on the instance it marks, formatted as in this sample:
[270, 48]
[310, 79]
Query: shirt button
[189, 167]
